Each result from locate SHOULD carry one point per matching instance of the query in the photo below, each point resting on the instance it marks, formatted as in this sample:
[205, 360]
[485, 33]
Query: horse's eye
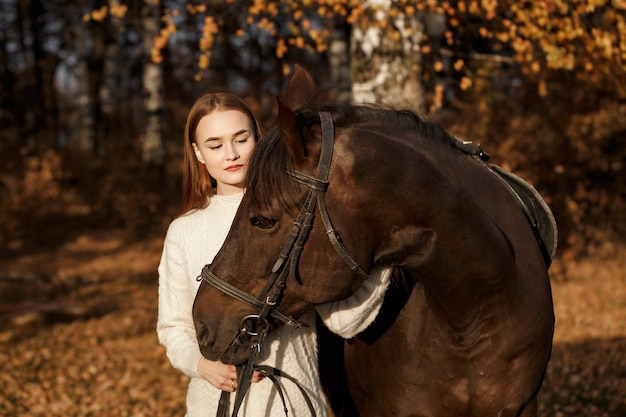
[262, 222]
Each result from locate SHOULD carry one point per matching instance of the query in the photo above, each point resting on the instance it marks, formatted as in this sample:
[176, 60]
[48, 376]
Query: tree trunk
[40, 105]
[386, 61]
[152, 81]
[113, 92]
[8, 103]
[82, 127]
[339, 60]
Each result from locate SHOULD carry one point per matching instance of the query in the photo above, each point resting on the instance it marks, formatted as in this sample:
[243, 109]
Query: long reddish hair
[197, 183]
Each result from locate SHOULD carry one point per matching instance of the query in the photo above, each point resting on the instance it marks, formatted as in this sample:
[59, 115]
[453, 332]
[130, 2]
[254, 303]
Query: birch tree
[386, 64]
[152, 81]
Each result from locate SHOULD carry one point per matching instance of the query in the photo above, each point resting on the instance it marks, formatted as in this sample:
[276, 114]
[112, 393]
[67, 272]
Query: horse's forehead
[364, 139]
[345, 151]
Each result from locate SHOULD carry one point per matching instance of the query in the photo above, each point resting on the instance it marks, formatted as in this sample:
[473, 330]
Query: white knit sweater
[191, 242]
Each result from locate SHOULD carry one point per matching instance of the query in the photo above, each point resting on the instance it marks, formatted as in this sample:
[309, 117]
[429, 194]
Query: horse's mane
[270, 162]
[268, 170]
[400, 119]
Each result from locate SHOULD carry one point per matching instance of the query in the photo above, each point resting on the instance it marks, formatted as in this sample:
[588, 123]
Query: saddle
[537, 212]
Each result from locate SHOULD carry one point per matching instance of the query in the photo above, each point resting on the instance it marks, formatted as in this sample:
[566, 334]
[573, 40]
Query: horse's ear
[287, 121]
[301, 90]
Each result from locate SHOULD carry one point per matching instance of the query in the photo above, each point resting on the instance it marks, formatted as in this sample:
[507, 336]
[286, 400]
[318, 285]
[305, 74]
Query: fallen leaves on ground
[104, 359]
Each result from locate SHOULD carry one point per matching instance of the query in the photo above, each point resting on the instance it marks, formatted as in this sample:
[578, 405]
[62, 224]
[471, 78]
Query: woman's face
[224, 141]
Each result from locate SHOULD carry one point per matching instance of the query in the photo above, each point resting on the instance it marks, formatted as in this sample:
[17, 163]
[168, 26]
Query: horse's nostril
[203, 333]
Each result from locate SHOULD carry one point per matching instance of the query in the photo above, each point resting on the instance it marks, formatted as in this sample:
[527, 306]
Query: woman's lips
[233, 168]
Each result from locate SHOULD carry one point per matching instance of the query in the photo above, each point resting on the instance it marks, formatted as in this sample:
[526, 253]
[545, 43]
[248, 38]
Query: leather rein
[269, 298]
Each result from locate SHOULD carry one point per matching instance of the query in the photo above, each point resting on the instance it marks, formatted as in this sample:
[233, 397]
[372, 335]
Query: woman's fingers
[218, 374]
[257, 376]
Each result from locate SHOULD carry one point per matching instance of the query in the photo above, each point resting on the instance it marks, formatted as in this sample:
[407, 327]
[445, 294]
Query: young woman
[220, 134]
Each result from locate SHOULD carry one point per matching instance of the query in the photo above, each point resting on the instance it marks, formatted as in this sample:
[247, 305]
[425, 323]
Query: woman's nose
[231, 152]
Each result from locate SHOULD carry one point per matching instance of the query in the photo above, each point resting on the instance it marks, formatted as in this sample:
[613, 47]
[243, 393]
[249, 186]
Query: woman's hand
[222, 376]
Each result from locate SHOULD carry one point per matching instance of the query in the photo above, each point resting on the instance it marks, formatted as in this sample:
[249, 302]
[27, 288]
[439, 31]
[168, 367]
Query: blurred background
[94, 96]
[93, 102]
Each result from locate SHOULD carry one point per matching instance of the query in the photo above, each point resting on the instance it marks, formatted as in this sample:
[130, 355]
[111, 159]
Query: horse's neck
[458, 199]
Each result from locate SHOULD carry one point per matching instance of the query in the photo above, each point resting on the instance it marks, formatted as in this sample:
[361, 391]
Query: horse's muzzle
[239, 349]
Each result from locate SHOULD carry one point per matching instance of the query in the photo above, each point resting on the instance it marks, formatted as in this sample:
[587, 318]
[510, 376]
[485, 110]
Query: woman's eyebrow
[240, 132]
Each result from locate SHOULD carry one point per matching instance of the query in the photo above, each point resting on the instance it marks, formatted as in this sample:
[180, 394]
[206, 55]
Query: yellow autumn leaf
[438, 99]
[155, 56]
[281, 48]
[203, 61]
[542, 89]
[535, 67]
[118, 11]
[465, 83]
[503, 37]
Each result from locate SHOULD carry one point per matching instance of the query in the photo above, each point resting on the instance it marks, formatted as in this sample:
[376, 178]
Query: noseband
[269, 298]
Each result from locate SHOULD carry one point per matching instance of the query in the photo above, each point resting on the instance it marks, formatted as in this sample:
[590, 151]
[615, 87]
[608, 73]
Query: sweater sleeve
[175, 328]
[351, 316]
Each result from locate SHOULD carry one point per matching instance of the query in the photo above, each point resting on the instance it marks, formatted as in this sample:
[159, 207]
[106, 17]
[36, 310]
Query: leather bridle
[269, 298]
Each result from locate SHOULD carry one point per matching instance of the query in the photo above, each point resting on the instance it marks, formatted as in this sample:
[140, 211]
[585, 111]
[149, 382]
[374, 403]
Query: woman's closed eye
[218, 145]
[242, 138]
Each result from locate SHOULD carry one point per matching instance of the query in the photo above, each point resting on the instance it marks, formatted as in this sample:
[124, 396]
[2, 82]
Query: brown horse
[466, 327]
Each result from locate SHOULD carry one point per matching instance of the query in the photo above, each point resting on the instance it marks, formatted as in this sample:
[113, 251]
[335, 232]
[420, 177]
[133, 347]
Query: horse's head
[278, 239]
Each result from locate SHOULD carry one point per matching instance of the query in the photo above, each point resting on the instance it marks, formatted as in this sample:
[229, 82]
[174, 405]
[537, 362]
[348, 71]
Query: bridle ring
[245, 328]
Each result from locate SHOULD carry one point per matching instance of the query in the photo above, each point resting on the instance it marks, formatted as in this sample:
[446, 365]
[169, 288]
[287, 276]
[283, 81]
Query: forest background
[92, 108]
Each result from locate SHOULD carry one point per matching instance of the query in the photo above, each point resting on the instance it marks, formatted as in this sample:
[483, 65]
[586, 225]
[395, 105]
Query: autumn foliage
[586, 37]
[539, 83]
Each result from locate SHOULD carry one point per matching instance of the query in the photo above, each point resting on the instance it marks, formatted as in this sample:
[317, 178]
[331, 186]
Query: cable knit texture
[191, 242]
[351, 316]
